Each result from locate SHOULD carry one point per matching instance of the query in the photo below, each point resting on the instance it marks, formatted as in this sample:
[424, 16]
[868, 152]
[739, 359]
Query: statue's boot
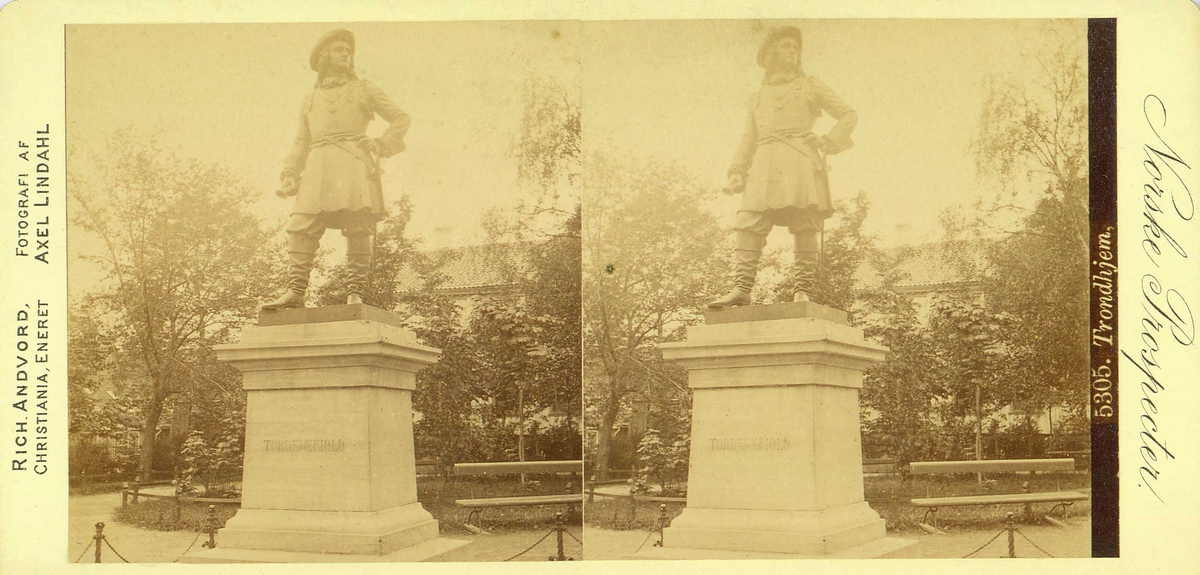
[804, 269]
[358, 266]
[302, 250]
[749, 246]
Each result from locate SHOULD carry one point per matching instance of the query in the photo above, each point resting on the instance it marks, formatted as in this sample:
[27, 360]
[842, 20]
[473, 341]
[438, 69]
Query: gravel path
[149, 546]
[1075, 541]
[134, 543]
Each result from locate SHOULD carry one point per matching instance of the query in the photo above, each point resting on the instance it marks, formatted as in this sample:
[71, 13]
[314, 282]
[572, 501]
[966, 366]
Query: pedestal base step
[431, 550]
[879, 548]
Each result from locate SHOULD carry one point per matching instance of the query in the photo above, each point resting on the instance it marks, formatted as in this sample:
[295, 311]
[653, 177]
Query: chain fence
[98, 539]
[1038, 547]
[989, 542]
[1011, 529]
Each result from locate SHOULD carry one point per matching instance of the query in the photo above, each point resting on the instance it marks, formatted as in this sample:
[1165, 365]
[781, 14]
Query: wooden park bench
[477, 505]
[1061, 499]
[879, 465]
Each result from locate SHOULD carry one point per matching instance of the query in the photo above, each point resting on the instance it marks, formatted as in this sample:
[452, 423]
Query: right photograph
[836, 289]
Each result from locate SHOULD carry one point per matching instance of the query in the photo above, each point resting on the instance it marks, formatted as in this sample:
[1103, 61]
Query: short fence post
[592, 490]
[1012, 548]
[558, 527]
[99, 538]
[125, 495]
[633, 504]
[178, 508]
[571, 507]
[662, 523]
[211, 523]
[1028, 506]
[137, 484]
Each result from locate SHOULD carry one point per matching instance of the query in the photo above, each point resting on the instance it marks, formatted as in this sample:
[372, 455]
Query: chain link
[572, 535]
[530, 548]
[185, 551]
[114, 550]
[989, 542]
[644, 541]
[85, 550]
[1039, 548]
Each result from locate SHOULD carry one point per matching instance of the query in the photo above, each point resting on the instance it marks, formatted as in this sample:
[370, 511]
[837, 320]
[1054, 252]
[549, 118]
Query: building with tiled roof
[926, 269]
[472, 270]
[931, 266]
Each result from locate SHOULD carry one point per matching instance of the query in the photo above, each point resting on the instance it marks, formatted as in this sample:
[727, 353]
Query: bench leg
[1065, 505]
[475, 517]
[931, 513]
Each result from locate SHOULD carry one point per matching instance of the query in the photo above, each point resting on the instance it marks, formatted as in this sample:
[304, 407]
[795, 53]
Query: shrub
[561, 441]
[661, 462]
[209, 467]
[159, 514]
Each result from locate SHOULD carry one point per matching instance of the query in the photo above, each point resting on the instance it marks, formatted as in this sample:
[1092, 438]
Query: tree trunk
[1050, 424]
[978, 431]
[521, 429]
[604, 436]
[148, 431]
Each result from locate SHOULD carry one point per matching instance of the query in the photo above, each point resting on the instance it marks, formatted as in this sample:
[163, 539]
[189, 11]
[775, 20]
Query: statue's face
[785, 54]
[338, 56]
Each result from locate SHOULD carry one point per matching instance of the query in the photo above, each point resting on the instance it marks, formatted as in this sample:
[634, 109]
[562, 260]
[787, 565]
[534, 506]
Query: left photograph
[324, 290]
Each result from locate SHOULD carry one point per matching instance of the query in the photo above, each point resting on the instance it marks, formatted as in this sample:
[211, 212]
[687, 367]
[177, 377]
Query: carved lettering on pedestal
[303, 445]
[750, 444]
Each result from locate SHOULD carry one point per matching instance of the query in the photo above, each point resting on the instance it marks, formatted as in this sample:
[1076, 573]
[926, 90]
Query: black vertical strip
[1102, 168]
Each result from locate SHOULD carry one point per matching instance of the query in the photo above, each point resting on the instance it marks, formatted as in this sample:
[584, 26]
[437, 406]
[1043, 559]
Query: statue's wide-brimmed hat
[333, 36]
[778, 33]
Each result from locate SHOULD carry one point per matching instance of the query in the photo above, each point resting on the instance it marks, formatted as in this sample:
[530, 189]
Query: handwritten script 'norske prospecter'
[1166, 316]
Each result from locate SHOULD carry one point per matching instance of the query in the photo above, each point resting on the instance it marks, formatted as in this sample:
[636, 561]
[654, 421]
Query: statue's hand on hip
[816, 142]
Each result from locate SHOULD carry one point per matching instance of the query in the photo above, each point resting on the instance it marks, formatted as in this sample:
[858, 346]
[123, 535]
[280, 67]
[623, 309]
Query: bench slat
[514, 467]
[991, 465]
[521, 501]
[1044, 497]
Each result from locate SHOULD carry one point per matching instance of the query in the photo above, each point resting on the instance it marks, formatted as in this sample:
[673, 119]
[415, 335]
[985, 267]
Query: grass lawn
[435, 494]
[889, 495]
[159, 514]
[438, 497]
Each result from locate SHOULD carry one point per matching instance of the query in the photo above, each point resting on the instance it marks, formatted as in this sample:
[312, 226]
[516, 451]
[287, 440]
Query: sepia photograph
[323, 291]
[903, 369]
[900, 287]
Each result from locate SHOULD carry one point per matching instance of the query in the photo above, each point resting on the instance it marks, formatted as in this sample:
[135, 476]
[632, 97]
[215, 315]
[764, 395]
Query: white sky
[680, 90]
[231, 93]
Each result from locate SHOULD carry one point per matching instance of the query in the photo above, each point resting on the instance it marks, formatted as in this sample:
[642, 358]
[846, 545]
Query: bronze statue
[333, 167]
[779, 167]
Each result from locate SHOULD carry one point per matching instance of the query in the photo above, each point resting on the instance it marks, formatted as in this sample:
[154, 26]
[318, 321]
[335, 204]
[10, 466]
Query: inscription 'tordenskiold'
[303, 445]
[750, 444]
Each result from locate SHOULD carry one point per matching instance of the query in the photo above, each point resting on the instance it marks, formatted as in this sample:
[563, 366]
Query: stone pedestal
[329, 471]
[776, 457]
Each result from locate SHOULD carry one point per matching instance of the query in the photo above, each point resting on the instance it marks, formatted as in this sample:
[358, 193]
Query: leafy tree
[1032, 141]
[970, 360]
[552, 295]
[653, 257]
[548, 154]
[183, 262]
